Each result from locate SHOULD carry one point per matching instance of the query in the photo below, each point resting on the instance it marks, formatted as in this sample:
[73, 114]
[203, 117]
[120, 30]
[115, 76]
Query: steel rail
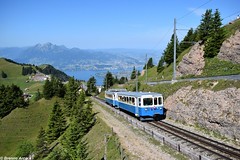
[216, 146]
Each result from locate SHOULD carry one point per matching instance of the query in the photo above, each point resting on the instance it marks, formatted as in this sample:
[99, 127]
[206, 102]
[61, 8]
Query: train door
[115, 100]
[138, 103]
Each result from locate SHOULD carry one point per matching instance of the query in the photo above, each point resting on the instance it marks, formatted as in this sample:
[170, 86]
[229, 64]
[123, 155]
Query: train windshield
[147, 101]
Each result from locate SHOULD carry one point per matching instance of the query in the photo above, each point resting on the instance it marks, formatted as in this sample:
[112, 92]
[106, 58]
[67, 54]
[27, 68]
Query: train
[143, 105]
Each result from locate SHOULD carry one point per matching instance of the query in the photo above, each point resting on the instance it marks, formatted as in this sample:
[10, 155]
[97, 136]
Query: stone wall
[216, 111]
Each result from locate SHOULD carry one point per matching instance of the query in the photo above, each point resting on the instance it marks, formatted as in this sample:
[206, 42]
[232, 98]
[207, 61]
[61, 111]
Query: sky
[103, 24]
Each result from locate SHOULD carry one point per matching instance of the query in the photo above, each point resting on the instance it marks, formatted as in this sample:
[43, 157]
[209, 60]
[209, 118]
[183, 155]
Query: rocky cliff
[193, 62]
[217, 111]
[230, 50]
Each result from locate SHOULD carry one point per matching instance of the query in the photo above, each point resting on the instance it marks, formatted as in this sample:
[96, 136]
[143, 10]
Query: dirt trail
[135, 144]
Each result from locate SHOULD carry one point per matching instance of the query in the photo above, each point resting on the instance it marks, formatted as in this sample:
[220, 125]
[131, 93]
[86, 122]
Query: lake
[98, 74]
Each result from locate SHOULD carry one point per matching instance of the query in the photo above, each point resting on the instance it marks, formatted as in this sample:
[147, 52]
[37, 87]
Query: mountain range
[65, 58]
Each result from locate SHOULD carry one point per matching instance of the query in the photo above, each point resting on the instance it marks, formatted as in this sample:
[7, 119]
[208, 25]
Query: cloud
[197, 11]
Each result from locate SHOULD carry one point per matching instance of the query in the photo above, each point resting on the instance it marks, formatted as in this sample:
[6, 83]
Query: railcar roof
[116, 90]
[138, 94]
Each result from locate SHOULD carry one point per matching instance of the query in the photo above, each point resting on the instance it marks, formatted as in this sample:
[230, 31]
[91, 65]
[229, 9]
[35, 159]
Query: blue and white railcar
[144, 105]
[111, 97]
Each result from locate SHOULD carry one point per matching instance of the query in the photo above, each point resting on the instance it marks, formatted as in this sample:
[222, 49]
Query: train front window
[147, 101]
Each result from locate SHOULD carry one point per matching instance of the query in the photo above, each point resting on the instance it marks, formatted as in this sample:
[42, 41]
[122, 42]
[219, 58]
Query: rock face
[216, 111]
[193, 62]
[230, 50]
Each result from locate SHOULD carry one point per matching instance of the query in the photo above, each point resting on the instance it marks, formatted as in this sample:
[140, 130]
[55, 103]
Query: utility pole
[146, 70]
[174, 52]
[136, 80]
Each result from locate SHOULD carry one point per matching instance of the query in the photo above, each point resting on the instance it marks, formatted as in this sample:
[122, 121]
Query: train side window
[139, 101]
[160, 100]
[133, 101]
[155, 101]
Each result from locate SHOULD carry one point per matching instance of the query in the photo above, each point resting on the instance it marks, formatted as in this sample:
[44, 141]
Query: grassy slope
[96, 142]
[14, 76]
[213, 66]
[23, 124]
[231, 29]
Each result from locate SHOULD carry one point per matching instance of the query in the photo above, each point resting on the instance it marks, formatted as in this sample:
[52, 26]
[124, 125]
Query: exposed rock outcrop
[193, 62]
[230, 49]
[217, 111]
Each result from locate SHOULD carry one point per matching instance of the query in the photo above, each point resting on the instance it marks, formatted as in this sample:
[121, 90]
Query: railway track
[203, 147]
[200, 143]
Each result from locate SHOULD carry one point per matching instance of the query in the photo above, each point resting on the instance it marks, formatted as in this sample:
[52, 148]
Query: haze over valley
[75, 59]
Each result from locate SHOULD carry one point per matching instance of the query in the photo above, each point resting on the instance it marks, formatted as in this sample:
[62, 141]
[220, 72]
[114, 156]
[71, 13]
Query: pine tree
[38, 95]
[10, 98]
[122, 80]
[205, 28]
[81, 122]
[88, 119]
[149, 64]
[78, 106]
[216, 37]
[187, 41]
[47, 90]
[82, 150]
[70, 96]
[91, 84]
[116, 81]
[72, 138]
[57, 123]
[4, 75]
[169, 51]
[41, 145]
[83, 113]
[133, 75]
[160, 66]
[108, 80]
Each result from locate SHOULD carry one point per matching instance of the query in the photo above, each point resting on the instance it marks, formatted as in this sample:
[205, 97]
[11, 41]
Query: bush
[25, 149]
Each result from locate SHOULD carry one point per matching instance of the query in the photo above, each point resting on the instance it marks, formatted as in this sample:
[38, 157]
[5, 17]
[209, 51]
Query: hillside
[14, 71]
[23, 125]
[191, 63]
[210, 106]
[14, 76]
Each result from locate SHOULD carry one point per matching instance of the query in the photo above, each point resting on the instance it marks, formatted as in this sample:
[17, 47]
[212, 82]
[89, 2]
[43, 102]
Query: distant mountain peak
[49, 47]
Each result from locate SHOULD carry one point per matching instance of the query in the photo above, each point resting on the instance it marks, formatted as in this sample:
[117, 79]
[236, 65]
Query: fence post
[178, 147]
[121, 152]
[105, 151]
